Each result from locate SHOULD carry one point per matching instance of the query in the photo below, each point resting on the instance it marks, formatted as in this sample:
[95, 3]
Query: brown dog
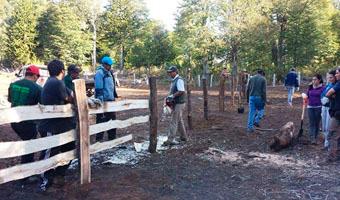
[284, 138]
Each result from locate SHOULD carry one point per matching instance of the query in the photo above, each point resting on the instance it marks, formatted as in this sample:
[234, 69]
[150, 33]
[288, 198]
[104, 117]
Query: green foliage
[154, 48]
[21, 31]
[120, 26]
[62, 35]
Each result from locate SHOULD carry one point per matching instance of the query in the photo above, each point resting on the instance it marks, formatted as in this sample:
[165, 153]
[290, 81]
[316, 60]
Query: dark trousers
[314, 115]
[26, 130]
[104, 117]
[61, 170]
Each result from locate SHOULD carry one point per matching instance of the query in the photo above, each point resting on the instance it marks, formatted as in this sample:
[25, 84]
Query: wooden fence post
[153, 115]
[189, 99]
[274, 80]
[199, 80]
[205, 97]
[83, 131]
[221, 94]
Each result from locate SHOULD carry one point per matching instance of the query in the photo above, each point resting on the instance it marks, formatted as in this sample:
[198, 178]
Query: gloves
[304, 96]
[94, 103]
[324, 100]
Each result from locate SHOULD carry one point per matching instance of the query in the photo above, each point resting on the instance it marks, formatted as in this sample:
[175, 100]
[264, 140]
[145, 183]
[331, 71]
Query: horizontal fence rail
[19, 148]
[38, 167]
[82, 134]
[123, 105]
[37, 112]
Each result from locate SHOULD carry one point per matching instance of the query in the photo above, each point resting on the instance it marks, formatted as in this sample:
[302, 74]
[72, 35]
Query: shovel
[302, 116]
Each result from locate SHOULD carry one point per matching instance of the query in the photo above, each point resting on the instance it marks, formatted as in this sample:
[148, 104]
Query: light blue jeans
[291, 90]
[256, 107]
[325, 119]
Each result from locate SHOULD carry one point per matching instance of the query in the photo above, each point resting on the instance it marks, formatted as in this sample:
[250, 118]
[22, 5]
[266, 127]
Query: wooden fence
[81, 134]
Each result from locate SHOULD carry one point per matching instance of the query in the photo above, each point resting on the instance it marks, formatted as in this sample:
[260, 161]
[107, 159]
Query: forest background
[274, 35]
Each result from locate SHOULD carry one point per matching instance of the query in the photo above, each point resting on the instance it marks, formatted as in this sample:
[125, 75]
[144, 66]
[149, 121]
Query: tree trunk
[122, 55]
[190, 127]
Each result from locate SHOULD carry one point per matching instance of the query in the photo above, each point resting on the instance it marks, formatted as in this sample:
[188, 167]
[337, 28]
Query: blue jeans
[256, 106]
[314, 115]
[291, 90]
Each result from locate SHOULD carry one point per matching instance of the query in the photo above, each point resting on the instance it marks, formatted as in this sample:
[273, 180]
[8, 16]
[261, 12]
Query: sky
[164, 11]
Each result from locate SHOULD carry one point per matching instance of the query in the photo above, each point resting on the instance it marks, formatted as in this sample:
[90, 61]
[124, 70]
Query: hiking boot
[168, 143]
[249, 131]
[45, 184]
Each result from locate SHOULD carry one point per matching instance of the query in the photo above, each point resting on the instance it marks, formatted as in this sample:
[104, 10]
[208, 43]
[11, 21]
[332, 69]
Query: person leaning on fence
[72, 74]
[291, 82]
[256, 97]
[176, 99]
[25, 92]
[105, 91]
[55, 93]
[325, 117]
[334, 126]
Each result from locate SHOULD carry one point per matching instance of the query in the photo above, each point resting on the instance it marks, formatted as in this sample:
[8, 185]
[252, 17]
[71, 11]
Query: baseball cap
[108, 61]
[33, 70]
[172, 69]
[73, 68]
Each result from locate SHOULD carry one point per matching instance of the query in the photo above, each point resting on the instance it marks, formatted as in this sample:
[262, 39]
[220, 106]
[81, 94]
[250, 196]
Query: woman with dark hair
[314, 107]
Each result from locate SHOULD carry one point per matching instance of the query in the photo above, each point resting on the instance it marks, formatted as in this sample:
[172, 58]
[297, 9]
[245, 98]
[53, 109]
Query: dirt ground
[220, 162]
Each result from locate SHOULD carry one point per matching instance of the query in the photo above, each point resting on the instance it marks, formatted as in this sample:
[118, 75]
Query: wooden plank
[153, 115]
[19, 148]
[23, 113]
[205, 98]
[116, 106]
[100, 146]
[83, 131]
[221, 94]
[97, 128]
[38, 167]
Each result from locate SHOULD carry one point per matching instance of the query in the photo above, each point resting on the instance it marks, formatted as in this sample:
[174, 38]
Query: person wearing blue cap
[105, 90]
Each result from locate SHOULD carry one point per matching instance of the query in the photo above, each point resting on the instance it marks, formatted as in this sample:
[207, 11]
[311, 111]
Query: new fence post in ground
[83, 131]
[189, 99]
[153, 114]
[221, 94]
[205, 97]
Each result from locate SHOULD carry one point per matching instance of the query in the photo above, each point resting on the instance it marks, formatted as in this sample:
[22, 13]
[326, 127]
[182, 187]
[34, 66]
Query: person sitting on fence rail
[55, 93]
[25, 92]
[72, 74]
[105, 90]
[177, 98]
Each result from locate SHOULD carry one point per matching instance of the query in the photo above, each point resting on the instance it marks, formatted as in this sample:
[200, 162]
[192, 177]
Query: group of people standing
[323, 104]
[58, 90]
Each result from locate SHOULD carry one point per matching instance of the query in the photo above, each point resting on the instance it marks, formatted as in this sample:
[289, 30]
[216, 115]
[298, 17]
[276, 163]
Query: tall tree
[121, 24]
[154, 48]
[62, 34]
[21, 31]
